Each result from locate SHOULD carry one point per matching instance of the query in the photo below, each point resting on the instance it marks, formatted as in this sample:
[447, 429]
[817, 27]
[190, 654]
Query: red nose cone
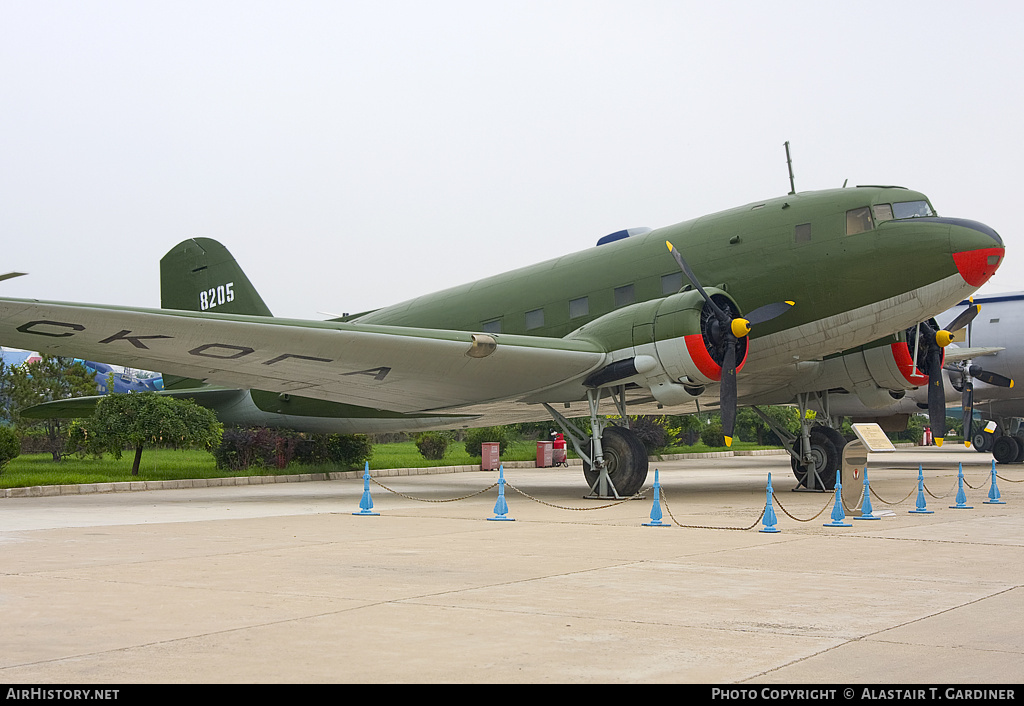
[977, 266]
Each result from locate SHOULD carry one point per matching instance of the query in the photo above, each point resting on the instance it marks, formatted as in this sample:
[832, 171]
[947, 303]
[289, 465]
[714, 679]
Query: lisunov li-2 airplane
[652, 320]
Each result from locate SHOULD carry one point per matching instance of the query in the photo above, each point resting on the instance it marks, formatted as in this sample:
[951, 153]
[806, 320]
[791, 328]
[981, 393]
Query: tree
[10, 446]
[50, 378]
[140, 419]
[750, 426]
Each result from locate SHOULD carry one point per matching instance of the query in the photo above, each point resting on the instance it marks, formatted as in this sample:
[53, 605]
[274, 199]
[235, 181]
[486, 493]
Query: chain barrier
[794, 517]
[425, 500]
[637, 496]
[663, 498]
[679, 524]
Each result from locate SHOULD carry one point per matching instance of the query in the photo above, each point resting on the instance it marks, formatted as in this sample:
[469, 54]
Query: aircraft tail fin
[200, 274]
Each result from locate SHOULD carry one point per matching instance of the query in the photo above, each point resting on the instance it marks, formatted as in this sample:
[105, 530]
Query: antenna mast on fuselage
[789, 163]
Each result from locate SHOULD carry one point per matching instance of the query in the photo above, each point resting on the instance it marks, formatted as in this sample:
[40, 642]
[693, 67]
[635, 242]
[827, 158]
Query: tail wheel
[625, 459]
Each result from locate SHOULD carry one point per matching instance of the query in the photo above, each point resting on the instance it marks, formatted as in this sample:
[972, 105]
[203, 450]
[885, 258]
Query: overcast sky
[355, 154]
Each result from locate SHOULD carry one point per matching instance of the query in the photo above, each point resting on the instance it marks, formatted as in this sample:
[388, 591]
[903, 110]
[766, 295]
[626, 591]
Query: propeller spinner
[727, 332]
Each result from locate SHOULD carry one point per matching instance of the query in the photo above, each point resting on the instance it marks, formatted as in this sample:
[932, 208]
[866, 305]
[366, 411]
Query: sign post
[870, 439]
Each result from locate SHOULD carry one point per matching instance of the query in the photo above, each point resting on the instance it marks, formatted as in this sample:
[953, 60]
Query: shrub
[10, 446]
[475, 438]
[651, 432]
[341, 450]
[432, 444]
[241, 449]
[712, 434]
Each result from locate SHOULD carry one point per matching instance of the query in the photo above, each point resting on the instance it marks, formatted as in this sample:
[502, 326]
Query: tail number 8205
[215, 296]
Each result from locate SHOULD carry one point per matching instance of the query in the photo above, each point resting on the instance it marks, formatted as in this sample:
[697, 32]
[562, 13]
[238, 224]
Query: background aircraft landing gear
[1008, 449]
[826, 455]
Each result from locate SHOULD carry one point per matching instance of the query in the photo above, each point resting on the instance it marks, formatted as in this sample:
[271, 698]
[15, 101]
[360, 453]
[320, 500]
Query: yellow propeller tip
[791, 303]
[938, 440]
[728, 441]
[967, 443]
[669, 245]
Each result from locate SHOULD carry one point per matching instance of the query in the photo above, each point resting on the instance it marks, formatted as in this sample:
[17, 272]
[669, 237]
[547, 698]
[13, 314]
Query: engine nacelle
[663, 344]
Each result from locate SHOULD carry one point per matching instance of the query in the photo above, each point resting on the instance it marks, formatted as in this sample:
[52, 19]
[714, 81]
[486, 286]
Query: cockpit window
[858, 220]
[911, 209]
[883, 212]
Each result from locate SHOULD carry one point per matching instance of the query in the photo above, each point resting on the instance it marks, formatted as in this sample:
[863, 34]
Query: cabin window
[534, 319]
[802, 233]
[670, 284]
[492, 326]
[579, 307]
[858, 220]
[624, 296]
[911, 209]
[883, 212]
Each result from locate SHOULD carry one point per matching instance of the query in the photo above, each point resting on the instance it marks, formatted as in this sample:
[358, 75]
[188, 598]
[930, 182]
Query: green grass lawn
[168, 464]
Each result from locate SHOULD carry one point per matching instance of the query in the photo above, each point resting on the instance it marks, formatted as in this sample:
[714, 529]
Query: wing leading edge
[383, 367]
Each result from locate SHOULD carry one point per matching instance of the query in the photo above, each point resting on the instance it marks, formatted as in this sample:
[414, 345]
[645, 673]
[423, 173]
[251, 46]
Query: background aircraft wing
[383, 367]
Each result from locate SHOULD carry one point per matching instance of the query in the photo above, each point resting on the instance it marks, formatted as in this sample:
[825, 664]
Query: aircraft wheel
[1020, 448]
[825, 457]
[1005, 449]
[982, 442]
[625, 457]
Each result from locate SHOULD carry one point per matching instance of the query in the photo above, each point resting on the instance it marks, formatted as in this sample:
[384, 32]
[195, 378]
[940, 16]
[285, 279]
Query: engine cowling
[665, 344]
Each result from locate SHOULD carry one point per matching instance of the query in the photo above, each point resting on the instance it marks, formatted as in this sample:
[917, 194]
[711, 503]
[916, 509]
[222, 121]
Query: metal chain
[886, 502]
[636, 496]
[1010, 480]
[679, 524]
[425, 500]
[791, 516]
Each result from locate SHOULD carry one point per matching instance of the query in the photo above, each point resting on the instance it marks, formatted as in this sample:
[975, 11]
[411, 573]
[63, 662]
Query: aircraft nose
[977, 249]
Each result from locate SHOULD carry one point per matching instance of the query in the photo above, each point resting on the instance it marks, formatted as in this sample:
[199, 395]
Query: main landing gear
[614, 458]
[816, 452]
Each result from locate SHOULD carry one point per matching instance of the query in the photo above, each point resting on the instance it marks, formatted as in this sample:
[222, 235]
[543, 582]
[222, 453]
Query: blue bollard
[501, 507]
[838, 514]
[961, 496]
[366, 502]
[865, 507]
[993, 490]
[656, 508]
[769, 511]
[921, 505]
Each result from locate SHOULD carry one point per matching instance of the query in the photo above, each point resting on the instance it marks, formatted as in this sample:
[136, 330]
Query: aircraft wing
[382, 367]
[955, 355]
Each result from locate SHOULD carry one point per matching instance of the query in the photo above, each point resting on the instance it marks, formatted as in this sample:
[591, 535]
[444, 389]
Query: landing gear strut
[614, 458]
[817, 451]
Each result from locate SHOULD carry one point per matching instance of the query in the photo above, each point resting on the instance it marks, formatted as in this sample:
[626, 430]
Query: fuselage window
[858, 221]
[534, 319]
[911, 209]
[624, 296]
[579, 307]
[802, 234]
[883, 212]
[670, 284]
[492, 326]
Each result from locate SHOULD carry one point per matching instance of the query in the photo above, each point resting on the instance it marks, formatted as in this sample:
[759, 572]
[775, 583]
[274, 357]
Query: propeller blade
[768, 312]
[696, 284]
[965, 317]
[728, 391]
[989, 377]
[967, 404]
[12, 275]
[936, 395]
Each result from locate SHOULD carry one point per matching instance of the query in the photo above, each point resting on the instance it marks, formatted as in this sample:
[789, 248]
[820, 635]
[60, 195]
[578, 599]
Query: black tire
[826, 458]
[625, 458]
[1020, 448]
[982, 442]
[1005, 449]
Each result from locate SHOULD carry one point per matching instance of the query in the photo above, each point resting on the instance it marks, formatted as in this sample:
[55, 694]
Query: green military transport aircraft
[651, 320]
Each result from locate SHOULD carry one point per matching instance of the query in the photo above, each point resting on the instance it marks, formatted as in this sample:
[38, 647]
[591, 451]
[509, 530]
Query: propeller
[934, 341]
[727, 333]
